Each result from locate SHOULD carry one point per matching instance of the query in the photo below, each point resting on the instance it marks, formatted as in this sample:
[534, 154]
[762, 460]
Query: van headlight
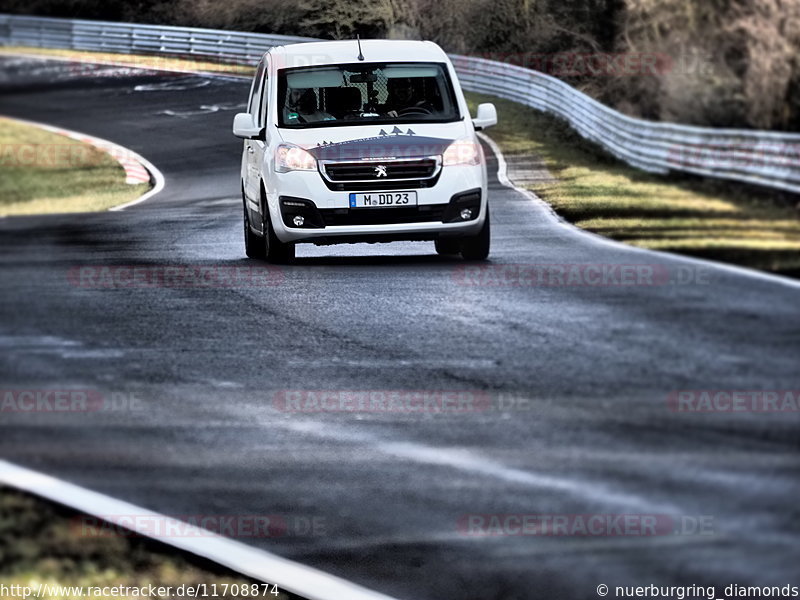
[289, 157]
[465, 151]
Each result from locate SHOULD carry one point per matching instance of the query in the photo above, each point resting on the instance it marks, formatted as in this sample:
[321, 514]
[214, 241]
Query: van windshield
[365, 93]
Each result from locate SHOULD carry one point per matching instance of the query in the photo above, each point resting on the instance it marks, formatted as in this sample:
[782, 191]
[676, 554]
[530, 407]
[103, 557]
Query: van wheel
[253, 244]
[476, 247]
[446, 246]
[276, 251]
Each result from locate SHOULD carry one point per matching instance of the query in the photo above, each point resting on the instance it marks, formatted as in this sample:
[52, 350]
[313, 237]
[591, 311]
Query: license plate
[383, 199]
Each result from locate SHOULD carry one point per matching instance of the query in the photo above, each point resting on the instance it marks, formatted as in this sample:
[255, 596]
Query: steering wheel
[414, 110]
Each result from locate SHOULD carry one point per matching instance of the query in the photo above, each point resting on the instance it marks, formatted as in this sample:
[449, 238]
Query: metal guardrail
[764, 158]
[127, 38]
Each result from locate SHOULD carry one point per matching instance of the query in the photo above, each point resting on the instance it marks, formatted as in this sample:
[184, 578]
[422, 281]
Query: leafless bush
[735, 62]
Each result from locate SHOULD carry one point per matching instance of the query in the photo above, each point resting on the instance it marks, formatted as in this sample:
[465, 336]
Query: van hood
[376, 141]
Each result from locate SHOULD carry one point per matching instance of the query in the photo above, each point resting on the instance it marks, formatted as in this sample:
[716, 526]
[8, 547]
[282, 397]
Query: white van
[366, 141]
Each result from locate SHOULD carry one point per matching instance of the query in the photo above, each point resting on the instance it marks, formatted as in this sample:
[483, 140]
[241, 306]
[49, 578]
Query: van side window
[262, 103]
[255, 89]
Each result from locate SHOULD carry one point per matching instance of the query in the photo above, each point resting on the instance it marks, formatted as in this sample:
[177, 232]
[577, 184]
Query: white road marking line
[288, 575]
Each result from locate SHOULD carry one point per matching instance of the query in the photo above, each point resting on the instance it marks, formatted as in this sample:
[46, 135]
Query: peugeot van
[361, 141]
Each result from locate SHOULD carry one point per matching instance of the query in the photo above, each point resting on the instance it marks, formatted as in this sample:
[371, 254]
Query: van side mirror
[244, 127]
[486, 117]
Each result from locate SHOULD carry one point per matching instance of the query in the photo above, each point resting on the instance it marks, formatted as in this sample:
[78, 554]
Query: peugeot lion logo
[380, 171]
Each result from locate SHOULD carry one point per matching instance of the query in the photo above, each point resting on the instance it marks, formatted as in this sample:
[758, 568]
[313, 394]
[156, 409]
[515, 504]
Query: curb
[138, 169]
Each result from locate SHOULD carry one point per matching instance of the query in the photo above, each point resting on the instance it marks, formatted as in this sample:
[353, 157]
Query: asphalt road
[577, 377]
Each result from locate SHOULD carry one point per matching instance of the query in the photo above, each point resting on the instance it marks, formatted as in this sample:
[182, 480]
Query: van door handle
[250, 149]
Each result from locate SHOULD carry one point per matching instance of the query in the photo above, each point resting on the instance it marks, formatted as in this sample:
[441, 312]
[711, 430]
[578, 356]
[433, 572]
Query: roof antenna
[360, 54]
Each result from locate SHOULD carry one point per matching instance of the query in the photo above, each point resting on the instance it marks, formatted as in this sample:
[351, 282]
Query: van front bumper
[328, 218]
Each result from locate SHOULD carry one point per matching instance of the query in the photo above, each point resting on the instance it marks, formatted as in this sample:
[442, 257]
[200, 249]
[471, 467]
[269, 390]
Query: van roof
[346, 51]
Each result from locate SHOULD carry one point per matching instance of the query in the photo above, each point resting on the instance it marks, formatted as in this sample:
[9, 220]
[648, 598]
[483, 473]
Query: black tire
[445, 246]
[476, 247]
[277, 252]
[253, 243]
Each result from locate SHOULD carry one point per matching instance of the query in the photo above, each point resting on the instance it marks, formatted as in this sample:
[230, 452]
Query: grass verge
[710, 219]
[43, 172]
[39, 544]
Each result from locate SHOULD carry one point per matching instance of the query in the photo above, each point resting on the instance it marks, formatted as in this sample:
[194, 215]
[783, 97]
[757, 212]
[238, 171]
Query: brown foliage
[735, 62]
